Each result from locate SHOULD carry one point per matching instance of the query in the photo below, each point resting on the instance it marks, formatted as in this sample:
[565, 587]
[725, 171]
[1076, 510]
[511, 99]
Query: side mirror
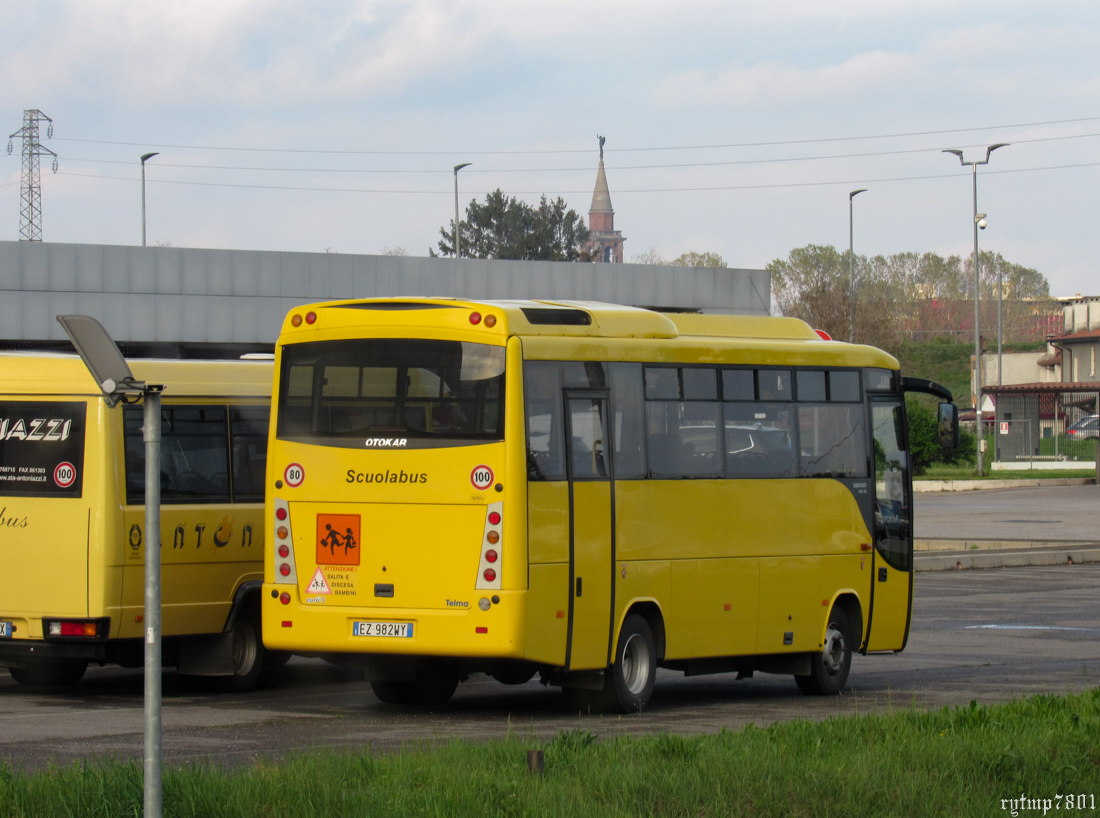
[948, 425]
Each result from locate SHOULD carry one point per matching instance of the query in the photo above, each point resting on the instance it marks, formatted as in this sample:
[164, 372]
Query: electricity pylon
[30, 203]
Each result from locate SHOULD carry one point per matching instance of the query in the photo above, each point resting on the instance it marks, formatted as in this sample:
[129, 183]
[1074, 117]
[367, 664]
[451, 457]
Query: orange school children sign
[338, 539]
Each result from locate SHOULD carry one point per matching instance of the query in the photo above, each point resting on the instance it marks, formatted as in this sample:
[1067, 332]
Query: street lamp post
[458, 233]
[979, 221]
[851, 270]
[145, 158]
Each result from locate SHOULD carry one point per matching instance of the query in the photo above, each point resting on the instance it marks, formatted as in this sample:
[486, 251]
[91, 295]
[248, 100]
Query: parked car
[1084, 429]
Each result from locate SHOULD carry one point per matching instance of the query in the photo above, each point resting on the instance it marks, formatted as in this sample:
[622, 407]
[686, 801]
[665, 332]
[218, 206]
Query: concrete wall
[1020, 367]
[183, 295]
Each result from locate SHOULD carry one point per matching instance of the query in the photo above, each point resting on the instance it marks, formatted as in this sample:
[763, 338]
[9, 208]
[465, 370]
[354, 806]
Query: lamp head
[957, 153]
[460, 167]
[146, 157]
[992, 148]
[855, 193]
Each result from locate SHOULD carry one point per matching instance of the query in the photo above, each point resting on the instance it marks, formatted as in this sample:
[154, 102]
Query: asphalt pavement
[1007, 527]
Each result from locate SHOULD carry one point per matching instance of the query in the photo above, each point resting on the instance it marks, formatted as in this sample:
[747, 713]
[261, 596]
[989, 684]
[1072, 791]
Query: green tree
[506, 228]
[694, 259]
[812, 283]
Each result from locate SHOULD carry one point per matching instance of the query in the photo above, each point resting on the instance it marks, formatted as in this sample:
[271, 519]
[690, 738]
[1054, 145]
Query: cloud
[774, 82]
[234, 52]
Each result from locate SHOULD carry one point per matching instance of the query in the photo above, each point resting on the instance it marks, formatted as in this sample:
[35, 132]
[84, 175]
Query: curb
[921, 545]
[926, 486]
[1063, 554]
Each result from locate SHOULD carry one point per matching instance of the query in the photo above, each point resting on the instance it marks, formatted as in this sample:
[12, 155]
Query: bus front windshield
[431, 393]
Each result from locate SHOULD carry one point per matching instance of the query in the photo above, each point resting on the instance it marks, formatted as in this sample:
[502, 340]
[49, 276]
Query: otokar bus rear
[585, 492]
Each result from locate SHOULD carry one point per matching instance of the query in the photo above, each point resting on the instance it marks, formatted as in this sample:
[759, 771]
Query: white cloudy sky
[732, 126]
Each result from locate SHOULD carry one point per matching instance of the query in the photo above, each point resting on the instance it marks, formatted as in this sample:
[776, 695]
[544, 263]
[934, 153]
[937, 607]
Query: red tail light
[492, 550]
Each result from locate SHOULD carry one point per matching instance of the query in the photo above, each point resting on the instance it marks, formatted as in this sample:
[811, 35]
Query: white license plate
[399, 630]
[5, 630]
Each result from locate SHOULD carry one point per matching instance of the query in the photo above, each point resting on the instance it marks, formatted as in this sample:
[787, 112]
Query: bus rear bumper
[17, 652]
[496, 633]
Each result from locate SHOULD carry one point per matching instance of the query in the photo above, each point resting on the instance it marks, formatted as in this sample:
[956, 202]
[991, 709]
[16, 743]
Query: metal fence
[1046, 428]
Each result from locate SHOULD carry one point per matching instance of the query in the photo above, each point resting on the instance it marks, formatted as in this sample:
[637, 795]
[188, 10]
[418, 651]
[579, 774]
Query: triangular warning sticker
[318, 585]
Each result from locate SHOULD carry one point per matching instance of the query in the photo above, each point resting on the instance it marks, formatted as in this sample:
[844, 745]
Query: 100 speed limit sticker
[481, 477]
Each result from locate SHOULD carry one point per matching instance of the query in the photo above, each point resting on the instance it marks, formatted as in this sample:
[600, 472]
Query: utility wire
[585, 169]
[455, 152]
[579, 192]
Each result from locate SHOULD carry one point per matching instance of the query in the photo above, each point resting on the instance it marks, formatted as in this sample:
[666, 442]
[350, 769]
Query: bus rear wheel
[248, 657]
[433, 686]
[50, 672]
[629, 682]
[829, 668]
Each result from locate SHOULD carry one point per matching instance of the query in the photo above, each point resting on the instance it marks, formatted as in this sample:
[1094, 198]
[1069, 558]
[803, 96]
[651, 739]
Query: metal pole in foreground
[153, 759]
[458, 232]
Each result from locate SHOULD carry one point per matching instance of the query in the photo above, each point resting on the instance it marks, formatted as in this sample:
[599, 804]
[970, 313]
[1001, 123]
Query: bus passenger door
[892, 580]
[591, 530]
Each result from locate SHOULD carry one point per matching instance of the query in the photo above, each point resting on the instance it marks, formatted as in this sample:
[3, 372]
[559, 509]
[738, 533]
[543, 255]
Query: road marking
[1025, 628]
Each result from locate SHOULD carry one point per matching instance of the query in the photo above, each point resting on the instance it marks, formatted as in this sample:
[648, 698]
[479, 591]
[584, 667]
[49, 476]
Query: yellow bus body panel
[892, 596]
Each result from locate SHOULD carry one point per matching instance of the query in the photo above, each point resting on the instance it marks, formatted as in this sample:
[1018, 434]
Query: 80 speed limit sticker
[294, 475]
[481, 477]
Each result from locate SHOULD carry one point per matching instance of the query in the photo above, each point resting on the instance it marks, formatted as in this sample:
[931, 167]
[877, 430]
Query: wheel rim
[244, 648]
[635, 664]
[832, 655]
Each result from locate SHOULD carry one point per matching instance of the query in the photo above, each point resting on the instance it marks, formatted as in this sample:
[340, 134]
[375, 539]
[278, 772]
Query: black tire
[50, 672]
[248, 657]
[388, 692]
[433, 686]
[518, 674]
[829, 669]
[629, 681]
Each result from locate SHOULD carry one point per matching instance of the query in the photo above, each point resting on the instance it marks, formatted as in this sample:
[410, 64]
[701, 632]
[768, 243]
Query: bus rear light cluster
[296, 319]
[285, 571]
[488, 571]
[79, 628]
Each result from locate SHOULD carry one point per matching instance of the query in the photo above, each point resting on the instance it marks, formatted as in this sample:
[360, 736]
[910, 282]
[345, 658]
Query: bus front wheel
[50, 672]
[829, 668]
[635, 667]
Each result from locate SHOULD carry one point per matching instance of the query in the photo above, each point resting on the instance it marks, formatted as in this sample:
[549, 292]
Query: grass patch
[954, 761]
[966, 471]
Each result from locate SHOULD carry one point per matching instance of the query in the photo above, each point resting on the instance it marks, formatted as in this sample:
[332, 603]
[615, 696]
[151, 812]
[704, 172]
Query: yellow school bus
[584, 491]
[72, 519]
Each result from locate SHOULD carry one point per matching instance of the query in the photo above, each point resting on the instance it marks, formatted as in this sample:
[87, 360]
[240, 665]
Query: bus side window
[831, 439]
[542, 398]
[248, 444]
[759, 440]
[194, 454]
[682, 439]
[628, 421]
